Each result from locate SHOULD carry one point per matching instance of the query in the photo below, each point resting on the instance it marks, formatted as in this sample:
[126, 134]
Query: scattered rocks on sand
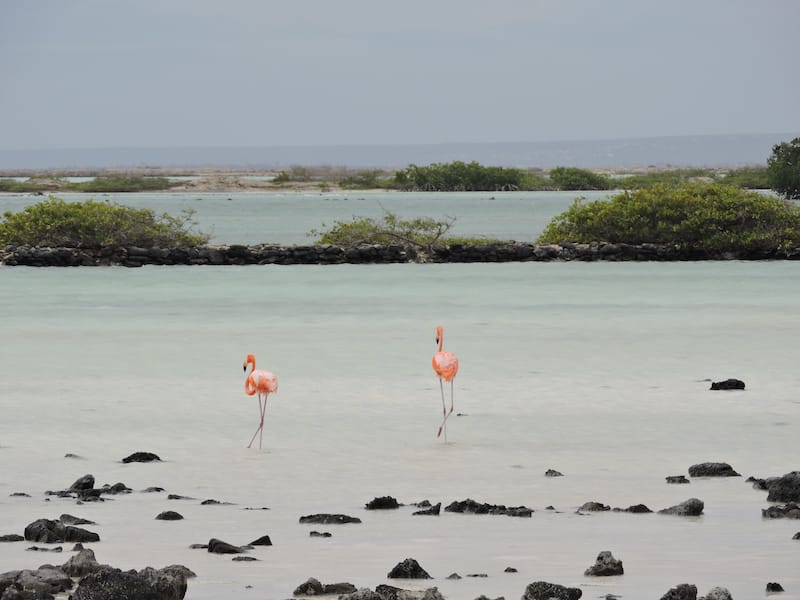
[113, 584]
[384, 502]
[717, 593]
[774, 587]
[677, 479]
[785, 488]
[50, 532]
[605, 565]
[327, 519]
[712, 469]
[541, 590]
[790, 510]
[216, 546]
[408, 569]
[684, 591]
[169, 515]
[262, 541]
[692, 507]
[434, 510]
[471, 506]
[141, 457]
[728, 384]
[553, 473]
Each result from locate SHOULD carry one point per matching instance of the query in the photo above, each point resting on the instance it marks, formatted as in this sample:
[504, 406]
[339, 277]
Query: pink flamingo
[262, 383]
[446, 366]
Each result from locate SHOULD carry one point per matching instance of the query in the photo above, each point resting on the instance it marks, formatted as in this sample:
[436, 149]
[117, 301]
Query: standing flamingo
[446, 366]
[262, 383]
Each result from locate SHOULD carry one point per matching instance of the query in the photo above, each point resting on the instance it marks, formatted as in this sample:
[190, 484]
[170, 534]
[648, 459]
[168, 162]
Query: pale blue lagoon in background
[286, 218]
[599, 370]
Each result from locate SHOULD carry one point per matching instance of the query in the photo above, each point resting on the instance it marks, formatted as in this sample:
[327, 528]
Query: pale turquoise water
[597, 370]
[287, 218]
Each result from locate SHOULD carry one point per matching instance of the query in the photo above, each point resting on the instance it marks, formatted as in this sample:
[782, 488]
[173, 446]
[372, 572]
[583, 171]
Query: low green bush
[572, 178]
[91, 224]
[711, 217]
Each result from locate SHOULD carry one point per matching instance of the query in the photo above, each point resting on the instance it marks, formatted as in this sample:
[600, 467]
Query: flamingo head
[250, 360]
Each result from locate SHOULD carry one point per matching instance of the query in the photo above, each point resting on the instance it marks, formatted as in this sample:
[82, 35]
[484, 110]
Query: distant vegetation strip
[456, 176]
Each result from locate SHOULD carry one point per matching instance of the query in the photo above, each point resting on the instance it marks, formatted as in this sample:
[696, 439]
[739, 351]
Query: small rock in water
[542, 590]
[477, 575]
[325, 519]
[262, 541]
[82, 483]
[216, 546]
[384, 502]
[796, 536]
[594, 507]
[683, 591]
[677, 479]
[244, 558]
[433, 510]
[717, 593]
[453, 576]
[712, 469]
[790, 510]
[728, 384]
[408, 569]
[19, 495]
[141, 457]
[11, 537]
[41, 549]
[553, 473]
[785, 488]
[510, 570]
[774, 587]
[324, 534]
[169, 515]
[605, 565]
[692, 507]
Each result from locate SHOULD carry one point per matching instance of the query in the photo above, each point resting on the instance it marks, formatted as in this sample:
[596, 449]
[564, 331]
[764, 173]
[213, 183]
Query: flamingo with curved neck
[445, 364]
[262, 383]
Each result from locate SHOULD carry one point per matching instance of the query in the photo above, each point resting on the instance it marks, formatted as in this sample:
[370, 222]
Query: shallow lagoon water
[597, 370]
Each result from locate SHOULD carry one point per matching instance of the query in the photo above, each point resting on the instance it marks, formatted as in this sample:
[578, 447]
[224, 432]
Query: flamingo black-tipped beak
[244, 368]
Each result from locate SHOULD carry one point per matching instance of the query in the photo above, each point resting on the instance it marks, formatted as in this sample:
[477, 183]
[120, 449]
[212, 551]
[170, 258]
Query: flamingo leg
[263, 410]
[260, 428]
[443, 426]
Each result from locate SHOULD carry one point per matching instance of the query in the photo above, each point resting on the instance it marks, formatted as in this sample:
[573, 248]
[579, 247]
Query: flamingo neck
[440, 337]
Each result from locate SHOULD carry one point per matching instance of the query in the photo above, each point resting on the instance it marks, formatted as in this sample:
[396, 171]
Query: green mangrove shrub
[422, 233]
[91, 224]
[783, 169]
[710, 217]
[572, 178]
[459, 176]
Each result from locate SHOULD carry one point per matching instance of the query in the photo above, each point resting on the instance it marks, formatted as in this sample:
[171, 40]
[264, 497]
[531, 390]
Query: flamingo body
[261, 383]
[445, 364]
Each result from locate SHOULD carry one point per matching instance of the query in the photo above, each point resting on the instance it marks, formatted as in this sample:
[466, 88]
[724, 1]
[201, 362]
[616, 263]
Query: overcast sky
[121, 73]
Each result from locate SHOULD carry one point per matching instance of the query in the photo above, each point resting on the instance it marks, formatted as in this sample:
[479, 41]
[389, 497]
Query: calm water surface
[598, 370]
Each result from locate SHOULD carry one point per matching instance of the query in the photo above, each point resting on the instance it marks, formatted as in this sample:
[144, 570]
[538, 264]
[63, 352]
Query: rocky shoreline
[87, 579]
[264, 254]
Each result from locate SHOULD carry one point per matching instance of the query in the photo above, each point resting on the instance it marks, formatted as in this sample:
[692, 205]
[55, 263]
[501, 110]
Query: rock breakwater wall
[265, 254]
